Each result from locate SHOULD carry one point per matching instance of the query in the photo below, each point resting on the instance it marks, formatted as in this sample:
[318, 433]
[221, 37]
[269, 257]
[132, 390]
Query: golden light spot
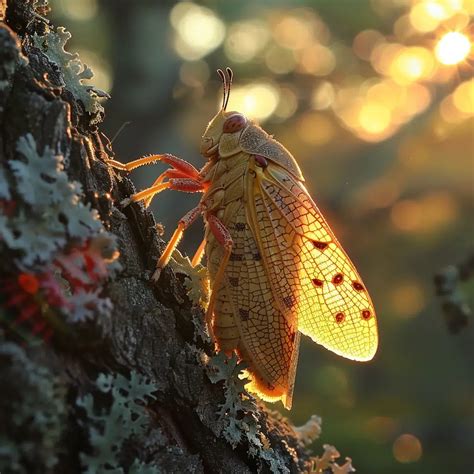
[426, 16]
[387, 92]
[293, 32]
[287, 104]
[407, 448]
[468, 6]
[246, 39]
[374, 118]
[463, 97]
[257, 100]
[408, 299]
[418, 98]
[323, 96]
[280, 60]
[383, 55]
[452, 48]
[198, 30]
[365, 42]
[403, 28]
[412, 64]
[315, 128]
[318, 60]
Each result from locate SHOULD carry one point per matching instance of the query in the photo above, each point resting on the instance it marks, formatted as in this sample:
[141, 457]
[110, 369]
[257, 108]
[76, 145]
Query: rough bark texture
[151, 329]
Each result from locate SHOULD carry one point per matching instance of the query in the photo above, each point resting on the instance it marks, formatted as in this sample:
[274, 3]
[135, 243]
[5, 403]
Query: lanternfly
[276, 269]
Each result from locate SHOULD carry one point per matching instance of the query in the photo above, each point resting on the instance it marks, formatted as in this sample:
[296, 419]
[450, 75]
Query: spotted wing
[309, 271]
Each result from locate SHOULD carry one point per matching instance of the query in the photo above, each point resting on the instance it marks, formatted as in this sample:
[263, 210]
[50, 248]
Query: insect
[276, 269]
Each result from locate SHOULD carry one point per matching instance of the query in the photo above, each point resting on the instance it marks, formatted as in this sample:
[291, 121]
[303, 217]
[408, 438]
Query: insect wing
[269, 341]
[310, 272]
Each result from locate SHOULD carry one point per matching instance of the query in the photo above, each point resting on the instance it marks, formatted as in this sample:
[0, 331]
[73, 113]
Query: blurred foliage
[375, 99]
[37, 399]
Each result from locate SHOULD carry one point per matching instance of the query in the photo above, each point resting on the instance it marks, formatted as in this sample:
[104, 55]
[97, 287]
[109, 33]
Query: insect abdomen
[225, 328]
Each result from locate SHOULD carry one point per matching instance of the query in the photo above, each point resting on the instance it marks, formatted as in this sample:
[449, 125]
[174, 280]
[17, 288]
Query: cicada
[276, 270]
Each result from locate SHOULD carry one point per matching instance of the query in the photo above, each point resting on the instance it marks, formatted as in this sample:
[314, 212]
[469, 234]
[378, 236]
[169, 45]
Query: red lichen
[29, 283]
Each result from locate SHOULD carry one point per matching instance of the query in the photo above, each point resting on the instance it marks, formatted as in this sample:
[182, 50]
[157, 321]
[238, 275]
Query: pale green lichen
[48, 213]
[196, 281]
[237, 416]
[74, 71]
[109, 428]
[55, 210]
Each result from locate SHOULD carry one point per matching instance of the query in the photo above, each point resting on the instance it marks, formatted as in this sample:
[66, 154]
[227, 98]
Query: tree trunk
[65, 404]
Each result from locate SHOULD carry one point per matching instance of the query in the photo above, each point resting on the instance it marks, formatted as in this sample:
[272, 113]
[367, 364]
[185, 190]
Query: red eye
[234, 124]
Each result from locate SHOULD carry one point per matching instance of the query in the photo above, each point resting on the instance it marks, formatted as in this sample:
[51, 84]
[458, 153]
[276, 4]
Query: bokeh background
[375, 99]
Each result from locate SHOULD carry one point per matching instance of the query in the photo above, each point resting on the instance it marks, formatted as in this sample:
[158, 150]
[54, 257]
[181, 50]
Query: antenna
[230, 75]
[224, 83]
[226, 79]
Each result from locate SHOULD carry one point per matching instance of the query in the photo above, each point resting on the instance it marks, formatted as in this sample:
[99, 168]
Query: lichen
[55, 239]
[54, 211]
[327, 461]
[238, 414]
[196, 278]
[126, 416]
[34, 400]
[310, 431]
[73, 70]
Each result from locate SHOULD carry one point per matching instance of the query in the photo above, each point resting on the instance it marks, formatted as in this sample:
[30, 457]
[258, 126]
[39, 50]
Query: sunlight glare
[374, 118]
[199, 30]
[452, 48]
[245, 40]
[257, 101]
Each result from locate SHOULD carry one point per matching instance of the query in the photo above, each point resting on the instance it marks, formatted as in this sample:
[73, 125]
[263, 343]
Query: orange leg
[199, 253]
[225, 239]
[187, 168]
[180, 169]
[183, 224]
[172, 173]
[188, 185]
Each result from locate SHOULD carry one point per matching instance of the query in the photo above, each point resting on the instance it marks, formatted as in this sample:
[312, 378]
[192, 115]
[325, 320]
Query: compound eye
[234, 124]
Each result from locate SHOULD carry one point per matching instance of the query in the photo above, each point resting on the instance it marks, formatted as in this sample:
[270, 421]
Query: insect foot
[156, 275]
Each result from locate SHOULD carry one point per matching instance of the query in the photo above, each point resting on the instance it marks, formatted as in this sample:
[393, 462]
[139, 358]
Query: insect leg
[183, 224]
[225, 239]
[177, 163]
[199, 253]
[172, 173]
[188, 185]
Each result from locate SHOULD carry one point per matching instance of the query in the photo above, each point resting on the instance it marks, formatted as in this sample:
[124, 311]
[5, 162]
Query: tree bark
[151, 329]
